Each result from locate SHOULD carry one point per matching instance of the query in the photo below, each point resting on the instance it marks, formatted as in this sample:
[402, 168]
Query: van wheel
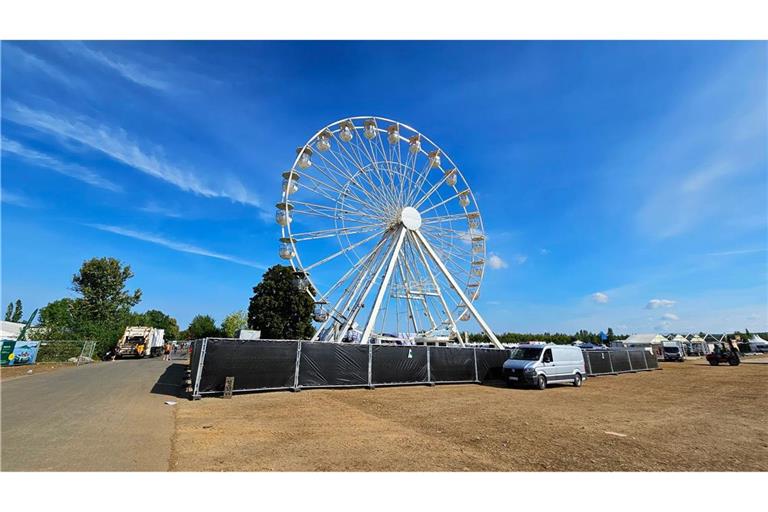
[541, 382]
[577, 380]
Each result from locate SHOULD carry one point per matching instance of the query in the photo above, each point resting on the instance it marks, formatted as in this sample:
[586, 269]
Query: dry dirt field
[686, 417]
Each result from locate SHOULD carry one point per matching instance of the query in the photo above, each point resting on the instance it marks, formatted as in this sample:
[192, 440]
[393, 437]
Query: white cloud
[75, 171]
[543, 251]
[176, 246]
[116, 144]
[496, 263]
[24, 59]
[599, 297]
[670, 316]
[660, 303]
[736, 252]
[521, 258]
[15, 199]
[156, 209]
[127, 70]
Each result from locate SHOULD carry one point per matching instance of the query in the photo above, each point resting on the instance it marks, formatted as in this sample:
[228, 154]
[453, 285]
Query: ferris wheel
[383, 232]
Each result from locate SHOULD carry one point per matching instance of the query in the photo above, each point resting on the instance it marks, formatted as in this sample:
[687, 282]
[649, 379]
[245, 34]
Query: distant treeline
[559, 338]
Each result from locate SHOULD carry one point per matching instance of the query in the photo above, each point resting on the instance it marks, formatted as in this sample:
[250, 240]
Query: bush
[56, 351]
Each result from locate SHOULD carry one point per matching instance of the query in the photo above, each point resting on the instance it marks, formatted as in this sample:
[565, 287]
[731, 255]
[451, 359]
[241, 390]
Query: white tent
[10, 330]
[651, 342]
[758, 344]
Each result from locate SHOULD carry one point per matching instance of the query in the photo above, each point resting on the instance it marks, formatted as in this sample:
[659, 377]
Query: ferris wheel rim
[296, 259]
[480, 257]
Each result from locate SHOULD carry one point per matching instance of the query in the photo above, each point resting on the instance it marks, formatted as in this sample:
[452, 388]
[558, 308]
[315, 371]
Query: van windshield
[527, 354]
[671, 350]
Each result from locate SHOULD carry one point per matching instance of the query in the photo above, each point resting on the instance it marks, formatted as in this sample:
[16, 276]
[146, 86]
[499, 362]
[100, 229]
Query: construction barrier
[260, 365]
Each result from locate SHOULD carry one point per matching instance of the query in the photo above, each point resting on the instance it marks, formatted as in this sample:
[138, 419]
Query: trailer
[139, 342]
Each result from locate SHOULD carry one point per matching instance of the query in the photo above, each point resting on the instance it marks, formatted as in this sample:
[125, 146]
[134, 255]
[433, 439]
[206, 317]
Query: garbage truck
[139, 342]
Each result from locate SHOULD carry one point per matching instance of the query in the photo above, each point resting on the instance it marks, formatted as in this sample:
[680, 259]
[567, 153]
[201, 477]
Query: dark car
[720, 355]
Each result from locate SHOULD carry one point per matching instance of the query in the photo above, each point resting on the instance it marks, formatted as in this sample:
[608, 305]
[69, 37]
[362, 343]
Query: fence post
[298, 364]
[370, 364]
[429, 367]
[474, 354]
[629, 358]
[610, 360]
[200, 366]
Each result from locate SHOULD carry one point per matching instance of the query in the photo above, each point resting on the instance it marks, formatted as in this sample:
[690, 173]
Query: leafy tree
[159, 320]
[101, 282]
[9, 312]
[278, 309]
[58, 321]
[202, 326]
[610, 335]
[233, 322]
[18, 312]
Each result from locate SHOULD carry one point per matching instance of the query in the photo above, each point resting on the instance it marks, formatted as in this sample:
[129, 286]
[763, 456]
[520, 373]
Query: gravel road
[100, 417]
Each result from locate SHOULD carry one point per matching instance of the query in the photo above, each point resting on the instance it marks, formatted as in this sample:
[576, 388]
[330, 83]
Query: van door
[548, 367]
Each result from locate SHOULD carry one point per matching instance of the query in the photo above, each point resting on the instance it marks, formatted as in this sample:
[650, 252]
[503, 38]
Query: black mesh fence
[285, 364]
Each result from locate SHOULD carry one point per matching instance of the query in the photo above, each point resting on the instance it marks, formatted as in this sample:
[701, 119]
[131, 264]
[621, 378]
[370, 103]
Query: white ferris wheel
[384, 233]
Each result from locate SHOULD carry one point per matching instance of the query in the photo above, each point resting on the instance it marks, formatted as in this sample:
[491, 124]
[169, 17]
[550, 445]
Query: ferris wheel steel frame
[371, 193]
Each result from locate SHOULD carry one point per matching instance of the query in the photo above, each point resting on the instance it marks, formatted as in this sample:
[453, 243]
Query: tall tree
[202, 326]
[278, 309]
[102, 284]
[159, 320]
[17, 312]
[233, 322]
[58, 321]
[9, 312]
[610, 335]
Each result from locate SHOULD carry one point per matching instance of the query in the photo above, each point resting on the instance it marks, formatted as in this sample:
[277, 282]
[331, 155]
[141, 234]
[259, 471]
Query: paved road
[101, 417]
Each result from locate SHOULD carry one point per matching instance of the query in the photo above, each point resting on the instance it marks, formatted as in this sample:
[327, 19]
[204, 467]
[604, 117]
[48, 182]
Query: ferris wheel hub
[411, 218]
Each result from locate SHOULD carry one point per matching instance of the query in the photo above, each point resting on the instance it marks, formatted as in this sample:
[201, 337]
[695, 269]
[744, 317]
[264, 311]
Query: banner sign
[15, 353]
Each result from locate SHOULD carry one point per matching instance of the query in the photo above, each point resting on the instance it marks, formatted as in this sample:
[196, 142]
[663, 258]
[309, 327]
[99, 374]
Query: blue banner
[15, 353]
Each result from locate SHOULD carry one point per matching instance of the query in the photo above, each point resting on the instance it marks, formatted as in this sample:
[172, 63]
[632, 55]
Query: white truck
[139, 342]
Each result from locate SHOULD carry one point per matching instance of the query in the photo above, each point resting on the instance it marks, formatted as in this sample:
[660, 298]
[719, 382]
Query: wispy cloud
[543, 251]
[128, 70]
[733, 253]
[16, 199]
[116, 144]
[520, 259]
[176, 246]
[496, 263]
[669, 316]
[75, 171]
[599, 298]
[29, 61]
[660, 303]
[156, 209]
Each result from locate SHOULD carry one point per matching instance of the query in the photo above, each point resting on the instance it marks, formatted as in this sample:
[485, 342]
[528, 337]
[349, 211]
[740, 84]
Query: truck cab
[539, 364]
[140, 342]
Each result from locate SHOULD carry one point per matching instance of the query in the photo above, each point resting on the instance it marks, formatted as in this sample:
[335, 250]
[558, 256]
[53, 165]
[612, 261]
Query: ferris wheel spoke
[445, 201]
[343, 251]
[349, 177]
[328, 233]
[361, 168]
[319, 184]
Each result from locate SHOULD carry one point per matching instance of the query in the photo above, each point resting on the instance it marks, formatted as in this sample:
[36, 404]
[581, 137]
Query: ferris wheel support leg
[454, 327]
[458, 290]
[383, 287]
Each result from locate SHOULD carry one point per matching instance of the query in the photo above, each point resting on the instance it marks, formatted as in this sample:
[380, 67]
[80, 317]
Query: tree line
[104, 306]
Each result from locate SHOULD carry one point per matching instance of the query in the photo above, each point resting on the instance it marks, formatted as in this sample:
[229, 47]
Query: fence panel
[332, 364]
[449, 364]
[599, 362]
[490, 362]
[398, 365]
[637, 358]
[620, 361]
[262, 365]
[651, 360]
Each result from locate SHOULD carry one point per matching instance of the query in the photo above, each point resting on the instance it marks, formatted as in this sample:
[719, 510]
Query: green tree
[610, 335]
[102, 284]
[58, 322]
[9, 312]
[159, 320]
[278, 309]
[17, 312]
[233, 322]
[202, 326]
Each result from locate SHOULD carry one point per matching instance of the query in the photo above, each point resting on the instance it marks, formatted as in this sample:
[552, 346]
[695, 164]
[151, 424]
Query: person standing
[167, 352]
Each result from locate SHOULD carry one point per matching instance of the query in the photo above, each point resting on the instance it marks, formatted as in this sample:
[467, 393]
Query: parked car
[673, 351]
[539, 365]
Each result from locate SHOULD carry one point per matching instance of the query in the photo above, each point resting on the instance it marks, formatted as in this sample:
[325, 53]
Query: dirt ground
[12, 372]
[686, 417]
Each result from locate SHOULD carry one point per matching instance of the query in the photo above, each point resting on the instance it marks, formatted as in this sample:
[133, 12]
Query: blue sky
[622, 184]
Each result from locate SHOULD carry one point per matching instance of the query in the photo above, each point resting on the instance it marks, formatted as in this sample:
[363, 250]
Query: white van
[539, 365]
